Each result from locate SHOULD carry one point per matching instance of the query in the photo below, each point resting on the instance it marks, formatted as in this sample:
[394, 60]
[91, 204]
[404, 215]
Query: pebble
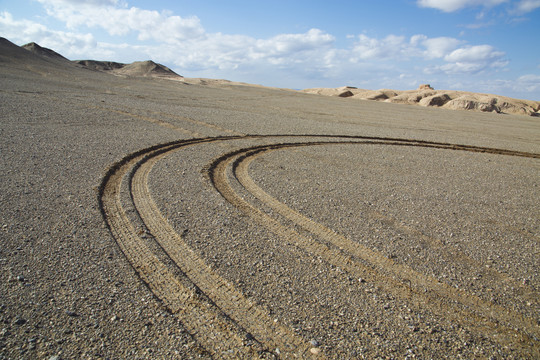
[71, 313]
[315, 351]
[20, 321]
[314, 342]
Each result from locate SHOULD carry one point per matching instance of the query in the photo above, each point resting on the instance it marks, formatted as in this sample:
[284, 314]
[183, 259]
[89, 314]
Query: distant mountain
[9, 51]
[32, 57]
[146, 68]
[100, 65]
[139, 68]
[41, 51]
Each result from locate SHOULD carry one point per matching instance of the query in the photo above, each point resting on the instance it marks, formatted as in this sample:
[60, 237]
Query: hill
[41, 51]
[425, 95]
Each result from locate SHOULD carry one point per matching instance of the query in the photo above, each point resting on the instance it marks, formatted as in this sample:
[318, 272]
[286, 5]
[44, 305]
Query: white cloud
[530, 82]
[525, 6]
[478, 53]
[148, 24]
[395, 47]
[522, 6]
[24, 31]
[453, 5]
[470, 60]
[436, 47]
[367, 48]
[293, 43]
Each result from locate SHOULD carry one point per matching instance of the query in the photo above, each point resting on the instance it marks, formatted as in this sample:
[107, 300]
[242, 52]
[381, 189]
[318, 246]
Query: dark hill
[146, 68]
[42, 51]
[100, 65]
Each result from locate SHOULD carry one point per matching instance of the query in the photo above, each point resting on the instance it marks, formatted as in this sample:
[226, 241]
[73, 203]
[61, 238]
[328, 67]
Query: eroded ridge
[228, 324]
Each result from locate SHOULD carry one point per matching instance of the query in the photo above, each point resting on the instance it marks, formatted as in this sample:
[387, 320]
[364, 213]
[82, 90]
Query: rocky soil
[358, 229]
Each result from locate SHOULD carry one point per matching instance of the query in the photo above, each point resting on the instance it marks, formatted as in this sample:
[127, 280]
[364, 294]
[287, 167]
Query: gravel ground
[468, 220]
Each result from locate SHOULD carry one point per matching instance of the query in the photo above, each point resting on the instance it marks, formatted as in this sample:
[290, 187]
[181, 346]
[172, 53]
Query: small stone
[71, 313]
[20, 278]
[54, 357]
[20, 321]
[114, 318]
[314, 342]
[361, 280]
[315, 351]
[413, 328]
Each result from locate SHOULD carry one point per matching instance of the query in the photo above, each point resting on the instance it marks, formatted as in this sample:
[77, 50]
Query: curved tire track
[227, 326]
[484, 317]
[223, 321]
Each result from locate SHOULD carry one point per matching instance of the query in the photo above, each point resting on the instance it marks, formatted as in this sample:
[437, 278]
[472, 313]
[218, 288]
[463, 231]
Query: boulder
[380, 95]
[435, 100]
[346, 93]
[411, 96]
[425, 87]
[467, 102]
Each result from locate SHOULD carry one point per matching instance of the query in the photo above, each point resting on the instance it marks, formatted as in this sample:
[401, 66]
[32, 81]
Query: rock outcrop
[344, 91]
[425, 95]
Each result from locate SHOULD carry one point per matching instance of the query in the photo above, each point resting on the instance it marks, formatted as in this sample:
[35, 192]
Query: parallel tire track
[230, 325]
[209, 327]
[404, 273]
[256, 321]
[223, 320]
[504, 325]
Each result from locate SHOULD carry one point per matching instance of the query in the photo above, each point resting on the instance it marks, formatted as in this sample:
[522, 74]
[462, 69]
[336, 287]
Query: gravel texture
[467, 220]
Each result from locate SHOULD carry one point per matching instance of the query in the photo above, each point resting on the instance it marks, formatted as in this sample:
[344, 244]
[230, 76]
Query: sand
[149, 218]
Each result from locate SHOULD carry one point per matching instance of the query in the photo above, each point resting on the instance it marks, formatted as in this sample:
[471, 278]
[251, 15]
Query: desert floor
[149, 218]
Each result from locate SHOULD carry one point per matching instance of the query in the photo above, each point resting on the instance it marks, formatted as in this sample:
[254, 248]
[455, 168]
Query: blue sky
[486, 46]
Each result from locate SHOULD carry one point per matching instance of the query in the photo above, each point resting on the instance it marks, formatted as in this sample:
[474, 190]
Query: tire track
[470, 310]
[241, 169]
[221, 319]
[243, 311]
[228, 325]
[218, 335]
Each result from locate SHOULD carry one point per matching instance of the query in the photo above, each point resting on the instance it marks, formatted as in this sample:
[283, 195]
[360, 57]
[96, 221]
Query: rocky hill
[425, 95]
[139, 68]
